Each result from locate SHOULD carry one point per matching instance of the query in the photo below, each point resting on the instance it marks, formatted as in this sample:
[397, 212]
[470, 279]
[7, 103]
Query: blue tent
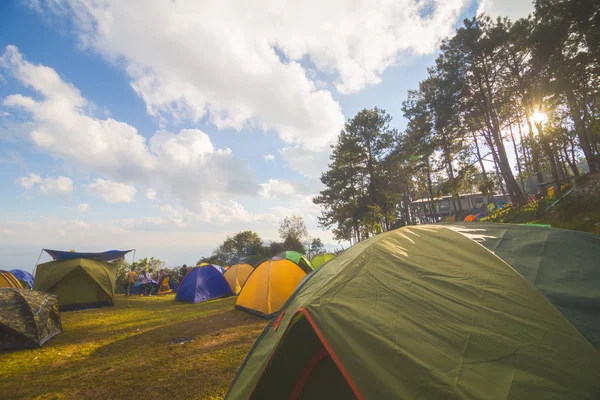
[201, 284]
[24, 277]
[110, 255]
[136, 288]
[221, 269]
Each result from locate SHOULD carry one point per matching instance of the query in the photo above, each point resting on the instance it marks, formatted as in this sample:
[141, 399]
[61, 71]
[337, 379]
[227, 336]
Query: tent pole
[38, 260]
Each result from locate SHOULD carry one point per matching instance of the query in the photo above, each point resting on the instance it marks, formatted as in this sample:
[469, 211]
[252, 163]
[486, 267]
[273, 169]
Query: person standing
[184, 271]
[149, 286]
[130, 282]
[145, 281]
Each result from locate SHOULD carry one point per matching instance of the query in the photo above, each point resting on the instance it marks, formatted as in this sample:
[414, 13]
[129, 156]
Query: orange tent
[8, 280]
[269, 286]
[236, 276]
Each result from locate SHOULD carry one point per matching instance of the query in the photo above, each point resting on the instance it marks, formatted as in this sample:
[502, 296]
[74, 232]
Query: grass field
[130, 352]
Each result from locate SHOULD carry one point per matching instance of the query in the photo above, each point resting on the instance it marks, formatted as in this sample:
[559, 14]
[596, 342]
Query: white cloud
[60, 185]
[251, 64]
[150, 194]
[269, 157]
[82, 207]
[513, 9]
[309, 163]
[4, 114]
[29, 181]
[286, 189]
[112, 192]
[184, 164]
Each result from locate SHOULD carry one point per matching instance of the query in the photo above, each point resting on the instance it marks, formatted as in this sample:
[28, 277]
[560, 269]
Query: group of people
[145, 280]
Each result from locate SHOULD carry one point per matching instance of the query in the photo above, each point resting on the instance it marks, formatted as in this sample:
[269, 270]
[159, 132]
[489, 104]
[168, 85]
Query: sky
[165, 126]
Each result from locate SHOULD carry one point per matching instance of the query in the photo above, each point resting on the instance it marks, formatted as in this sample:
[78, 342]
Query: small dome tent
[270, 285]
[296, 258]
[321, 259]
[8, 280]
[236, 276]
[28, 318]
[167, 285]
[201, 284]
[24, 277]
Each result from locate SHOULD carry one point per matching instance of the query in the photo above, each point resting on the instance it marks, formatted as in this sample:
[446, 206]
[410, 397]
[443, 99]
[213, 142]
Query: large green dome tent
[419, 312]
[564, 265]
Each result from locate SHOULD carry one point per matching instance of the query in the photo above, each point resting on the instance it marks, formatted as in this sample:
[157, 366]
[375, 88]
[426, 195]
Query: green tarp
[420, 312]
[563, 265]
[78, 283]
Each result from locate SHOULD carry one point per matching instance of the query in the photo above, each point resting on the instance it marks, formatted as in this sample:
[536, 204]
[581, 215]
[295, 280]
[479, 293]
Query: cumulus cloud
[513, 9]
[29, 181]
[184, 164]
[150, 194]
[82, 207]
[309, 163]
[112, 192]
[60, 185]
[269, 157]
[251, 64]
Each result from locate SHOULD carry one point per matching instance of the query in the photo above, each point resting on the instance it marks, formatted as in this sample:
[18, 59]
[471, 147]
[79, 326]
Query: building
[445, 206]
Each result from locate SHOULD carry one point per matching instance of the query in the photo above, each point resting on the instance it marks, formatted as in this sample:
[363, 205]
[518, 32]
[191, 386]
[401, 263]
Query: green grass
[123, 352]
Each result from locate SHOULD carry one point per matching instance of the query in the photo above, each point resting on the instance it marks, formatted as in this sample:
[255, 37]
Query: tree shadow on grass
[149, 365]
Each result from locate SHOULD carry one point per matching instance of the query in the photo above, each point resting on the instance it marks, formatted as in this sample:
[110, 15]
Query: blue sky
[131, 125]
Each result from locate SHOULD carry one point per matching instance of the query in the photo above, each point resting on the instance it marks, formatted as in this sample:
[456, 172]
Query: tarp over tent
[563, 265]
[321, 259]
[79, 283]
[297, 258]
[201, 284]
[236, 276]
[28, 318]
[269, 286]
[8, 280]
[419, 312]
[24, 277]
[110, 255]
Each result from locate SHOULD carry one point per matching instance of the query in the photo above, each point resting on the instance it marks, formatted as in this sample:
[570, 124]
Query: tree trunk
[516, 194]
[580, 127]
[430, 188]
[550, 155]
[512, 136]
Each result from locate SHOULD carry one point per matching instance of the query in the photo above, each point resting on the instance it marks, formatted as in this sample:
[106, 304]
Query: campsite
[304, 200]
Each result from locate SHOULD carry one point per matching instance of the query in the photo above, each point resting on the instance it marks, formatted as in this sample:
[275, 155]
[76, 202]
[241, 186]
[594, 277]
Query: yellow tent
[269, 287]
[9, 280]
[236, 275]
[165, 286]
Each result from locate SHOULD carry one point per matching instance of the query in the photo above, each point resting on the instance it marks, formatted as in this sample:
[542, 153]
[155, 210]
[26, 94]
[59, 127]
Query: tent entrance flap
[302, 368]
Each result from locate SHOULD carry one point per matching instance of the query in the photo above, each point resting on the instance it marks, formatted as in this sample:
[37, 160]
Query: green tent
[28, 319]
[563, 265]
[78, 283]
[297, 258]
[420, 312]
[321, 259]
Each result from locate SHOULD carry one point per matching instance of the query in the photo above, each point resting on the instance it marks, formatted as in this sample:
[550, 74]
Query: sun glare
[539, 117]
